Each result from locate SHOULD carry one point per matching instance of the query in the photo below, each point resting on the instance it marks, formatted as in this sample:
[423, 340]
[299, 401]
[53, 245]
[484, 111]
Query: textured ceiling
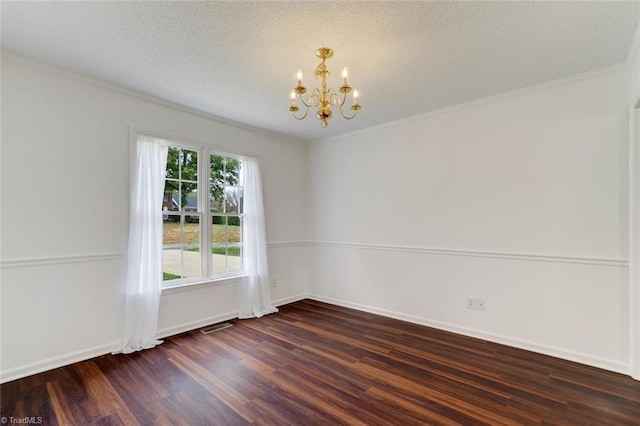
[238, 60]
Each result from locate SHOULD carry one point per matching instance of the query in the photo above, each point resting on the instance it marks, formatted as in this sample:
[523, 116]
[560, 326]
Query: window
[225, 183]
[202, 216]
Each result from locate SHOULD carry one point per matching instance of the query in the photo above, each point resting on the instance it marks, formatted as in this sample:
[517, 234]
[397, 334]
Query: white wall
[65, 183]
[520, 200]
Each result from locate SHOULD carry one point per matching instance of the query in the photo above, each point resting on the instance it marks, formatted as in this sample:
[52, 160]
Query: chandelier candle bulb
[324, 98]
[293, 108]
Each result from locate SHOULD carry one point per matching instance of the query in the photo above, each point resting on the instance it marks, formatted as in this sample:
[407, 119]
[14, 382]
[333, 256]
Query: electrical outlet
[481, 304]
[471, 303]
[274, 282]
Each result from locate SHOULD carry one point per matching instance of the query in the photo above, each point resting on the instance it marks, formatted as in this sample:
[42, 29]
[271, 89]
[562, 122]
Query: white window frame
[205, 216]
[209, 214]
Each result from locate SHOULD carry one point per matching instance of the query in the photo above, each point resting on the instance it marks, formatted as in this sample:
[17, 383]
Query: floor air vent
[215, 327]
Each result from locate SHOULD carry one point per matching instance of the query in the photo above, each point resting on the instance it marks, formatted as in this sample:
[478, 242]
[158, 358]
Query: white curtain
[255, 292]
[144, 263]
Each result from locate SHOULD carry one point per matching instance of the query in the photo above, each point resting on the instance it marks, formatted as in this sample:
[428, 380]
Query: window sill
[215, 282]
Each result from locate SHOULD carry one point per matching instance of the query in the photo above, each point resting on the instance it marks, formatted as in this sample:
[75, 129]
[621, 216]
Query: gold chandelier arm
[303, 116]
[355, 112]
[308, 105]
[334, 98]
[340, 101]
[313, 99]
[344, 99]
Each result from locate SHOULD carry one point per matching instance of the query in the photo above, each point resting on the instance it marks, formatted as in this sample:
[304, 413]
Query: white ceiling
[238, 60]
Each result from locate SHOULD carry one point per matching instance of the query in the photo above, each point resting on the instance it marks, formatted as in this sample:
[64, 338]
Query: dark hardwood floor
[315, 363]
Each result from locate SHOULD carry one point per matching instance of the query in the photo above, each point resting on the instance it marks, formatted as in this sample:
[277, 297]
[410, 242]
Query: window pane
[171, 199]
[216, 181]
[171, 243]
[218, 229]
[219, 260]
[190, 263]
[234, 244]
[216, 205]
[173, 163]
[189, 165]
[189, 198]
[232, 196]
[234, 229]
[219, 244]
[216, 170]
[171, 230]
[191, 232]
[226, 243]
[232, 172]
[234, 257]
[191, 247]
[181, 247]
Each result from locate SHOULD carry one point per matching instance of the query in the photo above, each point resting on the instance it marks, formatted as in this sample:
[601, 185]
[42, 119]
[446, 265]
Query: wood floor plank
[426, 412]
[319, 364]
[234, 399]
[65, 412]
[387, 379]
[102, 400]
[313, 395]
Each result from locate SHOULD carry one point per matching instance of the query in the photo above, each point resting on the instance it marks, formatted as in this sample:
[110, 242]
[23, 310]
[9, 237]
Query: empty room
[319, 213]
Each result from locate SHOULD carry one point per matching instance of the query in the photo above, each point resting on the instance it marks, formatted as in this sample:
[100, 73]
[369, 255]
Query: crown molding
[482, 101]
[5, 54]
[634, 49]
[243, 126]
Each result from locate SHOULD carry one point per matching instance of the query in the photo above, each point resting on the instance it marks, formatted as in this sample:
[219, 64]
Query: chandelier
[324, 98]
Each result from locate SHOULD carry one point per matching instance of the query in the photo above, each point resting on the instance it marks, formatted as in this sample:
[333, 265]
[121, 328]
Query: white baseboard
[606, 364]
[291, 299]
[188, 326]
[55, 362]
[83, 355]
[192, 325]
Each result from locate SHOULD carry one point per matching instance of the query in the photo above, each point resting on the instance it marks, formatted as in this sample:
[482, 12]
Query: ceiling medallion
[324, 98]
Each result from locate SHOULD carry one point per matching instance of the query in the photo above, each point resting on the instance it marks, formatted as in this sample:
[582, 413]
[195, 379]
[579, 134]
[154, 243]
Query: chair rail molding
[614, 262]
[58, 260]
